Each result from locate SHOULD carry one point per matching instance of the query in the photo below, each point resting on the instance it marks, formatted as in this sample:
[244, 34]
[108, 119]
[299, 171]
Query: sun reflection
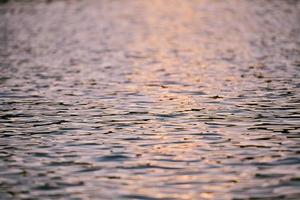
[171, 70]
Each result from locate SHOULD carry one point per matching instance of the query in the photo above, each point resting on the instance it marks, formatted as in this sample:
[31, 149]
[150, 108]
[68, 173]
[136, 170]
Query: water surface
[162, 99]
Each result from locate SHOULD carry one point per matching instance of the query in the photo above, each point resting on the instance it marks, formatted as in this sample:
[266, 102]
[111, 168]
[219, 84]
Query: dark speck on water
[161, 99]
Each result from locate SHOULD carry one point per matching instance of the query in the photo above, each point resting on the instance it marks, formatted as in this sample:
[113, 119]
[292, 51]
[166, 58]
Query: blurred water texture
[160, 99]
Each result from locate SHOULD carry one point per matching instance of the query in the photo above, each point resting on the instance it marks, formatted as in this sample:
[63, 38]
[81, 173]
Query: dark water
[163, 99]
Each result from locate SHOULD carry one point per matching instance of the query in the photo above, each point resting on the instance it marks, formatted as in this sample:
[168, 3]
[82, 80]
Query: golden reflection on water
[167, 75]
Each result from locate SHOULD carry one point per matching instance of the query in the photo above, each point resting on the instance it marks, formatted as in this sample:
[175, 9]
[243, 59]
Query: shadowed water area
[160, 99]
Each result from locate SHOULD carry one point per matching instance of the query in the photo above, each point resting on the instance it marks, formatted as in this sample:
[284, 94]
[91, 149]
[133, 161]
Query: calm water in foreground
[160, 99]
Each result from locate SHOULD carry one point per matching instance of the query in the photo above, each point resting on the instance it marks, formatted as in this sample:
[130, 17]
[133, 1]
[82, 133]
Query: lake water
[162, 99]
